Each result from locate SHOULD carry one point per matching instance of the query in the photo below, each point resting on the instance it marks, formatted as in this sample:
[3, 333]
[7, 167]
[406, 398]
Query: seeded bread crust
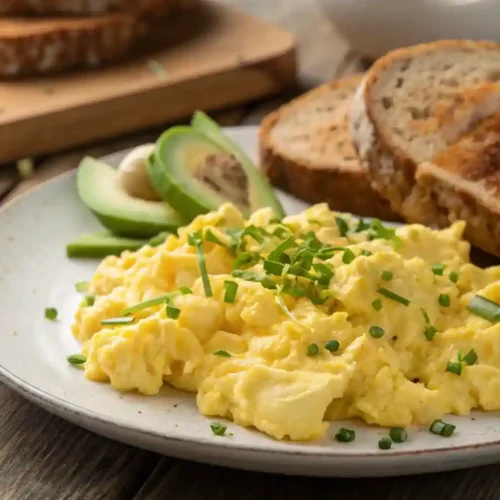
[82, 7]
[339, 180]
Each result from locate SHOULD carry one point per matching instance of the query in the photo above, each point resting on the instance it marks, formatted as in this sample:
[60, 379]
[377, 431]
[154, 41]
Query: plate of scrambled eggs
[316, 344]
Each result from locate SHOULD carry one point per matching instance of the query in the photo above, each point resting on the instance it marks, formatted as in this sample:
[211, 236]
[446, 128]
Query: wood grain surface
[43, 457]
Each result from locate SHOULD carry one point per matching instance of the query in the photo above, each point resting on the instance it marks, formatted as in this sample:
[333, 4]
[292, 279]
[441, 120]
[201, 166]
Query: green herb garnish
[470, 358]
[89, 301]
[76, 359]
[231, 288]
[173, 312]
[159, 239]
[377, 304]
[386, 275]
[147, 304]
[393, 296]
[348, 256]
[366, 253]
[385, 443]
[218, 429]
[398, 434]
[438, 269]
[454, 276]
[376, 332]
[184, 290]
[429, 332]
[444, 300]
[210, 236]
[51, 313]
[82, 286]
[312, 350]
[342, 226]
[222, 353]
[246, 260]
[344, 435]
[484, 308]
[332, 345]
[442, 428]
[264, 280]
[126, 320]
[195, 240]
[455, 368]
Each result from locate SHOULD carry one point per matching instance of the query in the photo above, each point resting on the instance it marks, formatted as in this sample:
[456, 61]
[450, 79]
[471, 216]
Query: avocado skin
[101, 244]
[259, 188]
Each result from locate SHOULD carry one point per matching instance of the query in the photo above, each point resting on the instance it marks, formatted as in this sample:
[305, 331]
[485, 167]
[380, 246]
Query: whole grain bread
[418, 122]
[32, 45]
[306, 149]
[82, 7]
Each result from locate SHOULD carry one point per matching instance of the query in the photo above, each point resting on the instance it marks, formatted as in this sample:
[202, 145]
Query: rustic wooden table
[44, 457]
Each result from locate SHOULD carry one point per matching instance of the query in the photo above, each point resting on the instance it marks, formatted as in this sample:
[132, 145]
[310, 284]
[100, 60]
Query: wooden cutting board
[212, 59]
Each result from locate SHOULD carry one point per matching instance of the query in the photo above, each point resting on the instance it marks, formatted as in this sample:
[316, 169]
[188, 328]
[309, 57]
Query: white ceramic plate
[35, 274]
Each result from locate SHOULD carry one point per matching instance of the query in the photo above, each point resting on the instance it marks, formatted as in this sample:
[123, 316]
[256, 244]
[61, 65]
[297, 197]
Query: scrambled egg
[373, 339]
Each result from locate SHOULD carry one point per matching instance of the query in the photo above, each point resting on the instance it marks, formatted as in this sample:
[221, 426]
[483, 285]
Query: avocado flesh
[102, 244]
[119, 212]
[179, 151]
[261, 194]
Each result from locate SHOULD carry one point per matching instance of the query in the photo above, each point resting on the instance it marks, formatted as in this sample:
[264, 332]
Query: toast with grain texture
[416, 102]
[82, 7]
[37, 46]
[306, 149]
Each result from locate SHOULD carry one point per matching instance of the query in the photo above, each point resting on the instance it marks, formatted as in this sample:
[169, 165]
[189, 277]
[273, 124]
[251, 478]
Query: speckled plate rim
[361, 464]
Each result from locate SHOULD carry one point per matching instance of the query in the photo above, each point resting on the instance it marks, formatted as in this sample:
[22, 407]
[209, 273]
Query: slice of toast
[82, 7]
[463, 183]
[417, 101]
[34, 46]
[306, 149]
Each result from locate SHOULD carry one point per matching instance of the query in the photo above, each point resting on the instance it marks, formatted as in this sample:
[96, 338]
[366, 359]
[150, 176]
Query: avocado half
[197, 169]
[119, 212]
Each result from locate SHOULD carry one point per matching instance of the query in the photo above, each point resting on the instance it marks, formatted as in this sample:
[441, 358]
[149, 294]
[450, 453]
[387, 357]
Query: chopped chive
[275, 268]
[444, 300]
[210, 236]
[429, 332]
[366, 253]
[245, 260]
[344, 435]
[218, 429]
[76, 359]
[342, 226]
[294, 290]
[425, 315]
[184, 290]
[438, 269]
[385, 443]
[393, 296]
[325, 273]
[454, 276]
[455, 368]
[484, 308]
[127, 320]
[386, 275]
[51, 313]
[348, 256]
[377, 304]
[264, 280]
[362, 226]
[195, 241]
[173, 312]
[222, 353]
[255, 232]
[159, 239]
[89, 300]
[82, 286]
[281, 232]
[442, 428]
[332, 345]
[147, 304]
[470, 358]
[398, 434]
[231, 288]
[376, 332]
[312, 350]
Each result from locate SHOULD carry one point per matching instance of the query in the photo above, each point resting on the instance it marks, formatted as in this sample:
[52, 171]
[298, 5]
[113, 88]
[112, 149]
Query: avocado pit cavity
[223, 173]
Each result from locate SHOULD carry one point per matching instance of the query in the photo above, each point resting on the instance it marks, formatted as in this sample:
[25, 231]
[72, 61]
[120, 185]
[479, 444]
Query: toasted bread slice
[82, 7]
[463, 183]
[416, 102]
[31, 45]
[306, 149]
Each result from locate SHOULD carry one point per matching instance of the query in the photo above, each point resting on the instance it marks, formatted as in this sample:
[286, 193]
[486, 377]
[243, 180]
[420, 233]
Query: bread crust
[344, 189]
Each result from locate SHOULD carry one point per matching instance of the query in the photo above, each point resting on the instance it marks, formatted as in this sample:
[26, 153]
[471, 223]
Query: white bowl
[373, 27]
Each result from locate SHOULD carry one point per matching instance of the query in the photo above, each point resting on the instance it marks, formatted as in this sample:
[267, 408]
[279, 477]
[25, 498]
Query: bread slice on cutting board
[410, 121]
[306, 149]
[81, 7]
